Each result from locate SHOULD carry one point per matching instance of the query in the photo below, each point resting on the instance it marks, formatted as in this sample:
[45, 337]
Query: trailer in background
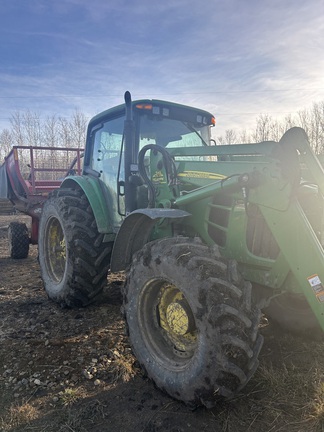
[27, 176]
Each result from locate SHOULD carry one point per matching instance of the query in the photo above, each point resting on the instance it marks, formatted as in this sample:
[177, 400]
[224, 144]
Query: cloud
[234, 58]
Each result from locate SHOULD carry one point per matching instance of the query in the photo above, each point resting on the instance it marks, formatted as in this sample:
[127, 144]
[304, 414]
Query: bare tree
[51, 136]
[33, 127]
[26, 128]
[317, 127]
[244, 137]
[262, 131]
[64, 133]
[17, 129]
[229, 138]
[303, 118]
[29, 129]
[289, 122]
[5, 143]
[312, 121]
[220, 140]
[72, 133]
[78, 127]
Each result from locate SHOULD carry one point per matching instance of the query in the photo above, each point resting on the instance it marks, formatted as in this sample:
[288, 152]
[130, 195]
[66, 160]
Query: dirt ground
[73, 370]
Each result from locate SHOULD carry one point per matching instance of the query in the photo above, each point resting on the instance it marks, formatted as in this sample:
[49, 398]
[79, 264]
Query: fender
[99, 198]
[135, 232]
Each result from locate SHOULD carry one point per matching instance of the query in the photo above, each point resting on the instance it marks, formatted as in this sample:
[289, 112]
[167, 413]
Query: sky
[234, 58]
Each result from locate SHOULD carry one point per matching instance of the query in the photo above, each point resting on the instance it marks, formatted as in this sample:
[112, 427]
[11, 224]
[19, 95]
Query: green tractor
[209, 235]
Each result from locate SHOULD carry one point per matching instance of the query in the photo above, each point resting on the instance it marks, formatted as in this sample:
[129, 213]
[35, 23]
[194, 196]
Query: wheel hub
[56, 245]
[62, 249]
[179, 317]
[177, 320]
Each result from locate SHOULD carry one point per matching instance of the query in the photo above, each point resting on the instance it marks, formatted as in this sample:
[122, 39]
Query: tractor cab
[114, 149]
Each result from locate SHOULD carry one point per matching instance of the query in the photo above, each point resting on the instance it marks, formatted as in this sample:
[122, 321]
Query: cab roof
[120, 109]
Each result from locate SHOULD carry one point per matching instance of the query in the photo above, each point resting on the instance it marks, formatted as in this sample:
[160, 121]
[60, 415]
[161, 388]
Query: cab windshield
[171, 133]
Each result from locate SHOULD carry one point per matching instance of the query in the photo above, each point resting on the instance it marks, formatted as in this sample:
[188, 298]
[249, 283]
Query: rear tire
[18, 238]
[190, 319]
[73, 259]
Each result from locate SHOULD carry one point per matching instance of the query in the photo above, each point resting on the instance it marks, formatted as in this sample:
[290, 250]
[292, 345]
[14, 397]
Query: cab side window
[106, 159]
[107, 151]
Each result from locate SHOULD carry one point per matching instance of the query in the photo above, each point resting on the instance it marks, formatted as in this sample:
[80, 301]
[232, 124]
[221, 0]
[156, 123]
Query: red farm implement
[27, 176]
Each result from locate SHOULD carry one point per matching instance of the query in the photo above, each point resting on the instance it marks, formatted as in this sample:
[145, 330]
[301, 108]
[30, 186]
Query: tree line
[268, 128]
[30, 129]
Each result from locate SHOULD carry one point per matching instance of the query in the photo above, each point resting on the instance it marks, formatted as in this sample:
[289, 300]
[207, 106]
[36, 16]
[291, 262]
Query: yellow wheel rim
[176, 319]
[56, 250]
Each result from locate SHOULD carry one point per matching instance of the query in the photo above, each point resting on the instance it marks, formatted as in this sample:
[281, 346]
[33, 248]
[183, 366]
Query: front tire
[18, 238]
[190, 319]
[73, 259]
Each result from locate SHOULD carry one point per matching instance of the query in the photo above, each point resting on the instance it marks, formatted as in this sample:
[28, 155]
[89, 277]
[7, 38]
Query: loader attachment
[302, 250]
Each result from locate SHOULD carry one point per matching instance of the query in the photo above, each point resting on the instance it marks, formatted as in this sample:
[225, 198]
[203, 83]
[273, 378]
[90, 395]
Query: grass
[124, 369]
[281, 397]
[70, 395]
[315, 410]
[18, 415]
[285, 395]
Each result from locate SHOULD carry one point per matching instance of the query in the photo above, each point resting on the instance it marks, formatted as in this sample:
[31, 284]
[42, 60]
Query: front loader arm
[302, 251]
[278, 202]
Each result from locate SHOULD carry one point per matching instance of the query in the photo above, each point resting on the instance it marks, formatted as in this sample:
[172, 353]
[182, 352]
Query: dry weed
[314, 411]
[71, 395]
[124, 369]
[18, 415]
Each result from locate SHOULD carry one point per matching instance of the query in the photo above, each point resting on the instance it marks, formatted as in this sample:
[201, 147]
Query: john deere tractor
[208, 236]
